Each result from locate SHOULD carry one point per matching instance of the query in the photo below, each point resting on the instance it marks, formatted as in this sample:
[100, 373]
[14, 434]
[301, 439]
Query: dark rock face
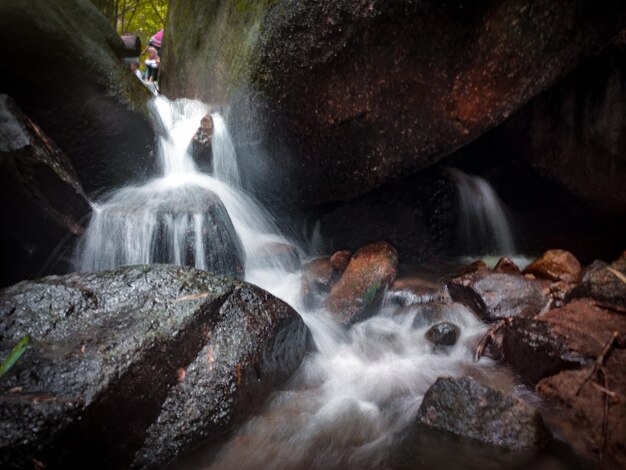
[556, 265]
[602, 284]
[494, 296]
[443, 334]
[563, 338]
[108, 347]
[361, 92]
[64, 70]
[361, 289]
[43, 204]
[417, 215]
[465, 407]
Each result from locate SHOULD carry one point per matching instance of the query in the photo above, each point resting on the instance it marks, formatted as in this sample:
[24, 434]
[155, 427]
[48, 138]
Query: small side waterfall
[224, 158]
[483, 226]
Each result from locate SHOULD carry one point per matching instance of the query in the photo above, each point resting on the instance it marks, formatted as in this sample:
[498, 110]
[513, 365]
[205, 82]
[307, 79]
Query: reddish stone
[339, 261]
[360, 291]
[580, 416]
[556, 265]
[506, 265]
[476, 266]
[563, 338]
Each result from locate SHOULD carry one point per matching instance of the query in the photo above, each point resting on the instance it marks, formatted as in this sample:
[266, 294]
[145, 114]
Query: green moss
[370, 294]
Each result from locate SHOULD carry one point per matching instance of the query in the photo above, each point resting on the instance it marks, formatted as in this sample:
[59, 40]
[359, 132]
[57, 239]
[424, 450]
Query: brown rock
[415, 290]
[317, 279]
[201, 144]
[494, 296]
[507, 266]
[360, 291]
[339, 261]
[476, 266]
[580, 416]
[563, 338]
[556, 265]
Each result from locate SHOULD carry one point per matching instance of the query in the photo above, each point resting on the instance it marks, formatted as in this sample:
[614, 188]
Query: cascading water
[350, 398]
[483, 224]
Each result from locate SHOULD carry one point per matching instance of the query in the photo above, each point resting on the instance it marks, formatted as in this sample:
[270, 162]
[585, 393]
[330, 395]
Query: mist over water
[361, 387]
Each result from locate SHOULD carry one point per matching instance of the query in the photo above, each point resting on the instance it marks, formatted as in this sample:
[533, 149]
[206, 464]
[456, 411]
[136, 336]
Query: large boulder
[465, 407]
[347, 95]
[361, 289]
[43, 204]
[108, 348]
[63, 68]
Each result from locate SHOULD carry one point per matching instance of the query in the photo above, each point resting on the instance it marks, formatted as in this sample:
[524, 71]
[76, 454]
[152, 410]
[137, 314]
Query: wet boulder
[348, 95]
[42, 200]
[603, 283]
[563, 338]
[556, 265]
[467, 408]
[415, 290]
[581, 414]
[361, 289]
[339, 261]
[443, 334]
[246, 358]
[108, 348]
[494, 296]
[64, 70]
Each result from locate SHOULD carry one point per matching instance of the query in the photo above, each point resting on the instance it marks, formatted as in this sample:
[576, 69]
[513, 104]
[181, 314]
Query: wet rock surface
[556, 265]
[43, 203]
[77, 89]
[507, 266]
[443, 334]
[107, 348]
[585, 409]
[201, 149]
[361, 289]
[467, 408]
[602, 282]
[246, 358]
[361, 97]
[564, 338]
[494, 296]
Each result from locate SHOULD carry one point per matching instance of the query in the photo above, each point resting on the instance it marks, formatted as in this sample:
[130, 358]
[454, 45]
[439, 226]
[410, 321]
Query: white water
[348, 401]
[483, 227]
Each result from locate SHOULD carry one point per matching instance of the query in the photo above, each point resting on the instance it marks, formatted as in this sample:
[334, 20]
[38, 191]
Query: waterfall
[359, 389]
[184, 216]
[483, 226]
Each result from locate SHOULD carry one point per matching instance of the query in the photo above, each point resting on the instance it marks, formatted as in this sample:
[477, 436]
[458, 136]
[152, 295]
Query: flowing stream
[353, 396]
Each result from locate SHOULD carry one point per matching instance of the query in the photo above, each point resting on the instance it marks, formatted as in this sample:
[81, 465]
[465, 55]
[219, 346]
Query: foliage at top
[141, 17]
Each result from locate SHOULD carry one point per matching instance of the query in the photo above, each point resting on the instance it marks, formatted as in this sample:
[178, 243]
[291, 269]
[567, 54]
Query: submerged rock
[494, 296]
[362, 92]
[563, 338]
[465, 407]
[107, 350]
[42, 200]
[320, 275]
[556, 265]
[64, 69]
[443, 334]
[361, 289]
